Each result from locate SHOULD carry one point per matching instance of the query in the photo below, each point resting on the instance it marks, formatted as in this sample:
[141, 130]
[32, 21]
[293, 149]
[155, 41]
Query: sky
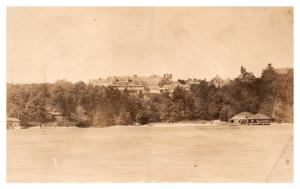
[79, 44]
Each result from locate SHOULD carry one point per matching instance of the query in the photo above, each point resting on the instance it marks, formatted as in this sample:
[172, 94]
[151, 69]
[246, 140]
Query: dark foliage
[87, 105]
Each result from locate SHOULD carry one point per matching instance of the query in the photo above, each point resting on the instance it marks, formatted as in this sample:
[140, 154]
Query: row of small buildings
[243, 118]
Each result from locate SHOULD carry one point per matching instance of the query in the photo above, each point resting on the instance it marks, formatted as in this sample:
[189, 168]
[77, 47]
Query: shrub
[83, 123]
[143, 118]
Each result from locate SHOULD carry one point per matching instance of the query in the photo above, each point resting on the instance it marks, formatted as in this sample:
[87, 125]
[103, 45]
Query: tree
[200, 93]
[124, 118]
[80, 118]
[267, 90]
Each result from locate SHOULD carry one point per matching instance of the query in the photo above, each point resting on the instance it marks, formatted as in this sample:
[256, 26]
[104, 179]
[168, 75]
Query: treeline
[86, 105]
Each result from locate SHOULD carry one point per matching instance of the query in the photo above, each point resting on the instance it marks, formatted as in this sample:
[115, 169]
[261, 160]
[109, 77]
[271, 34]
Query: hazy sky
[47, 44]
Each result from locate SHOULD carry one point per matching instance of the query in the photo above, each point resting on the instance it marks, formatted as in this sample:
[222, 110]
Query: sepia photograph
[150, 95]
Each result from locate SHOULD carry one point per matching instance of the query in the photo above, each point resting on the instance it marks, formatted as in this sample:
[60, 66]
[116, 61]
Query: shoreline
[206, 125]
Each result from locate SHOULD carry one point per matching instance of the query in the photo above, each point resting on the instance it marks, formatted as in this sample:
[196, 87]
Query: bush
[86, 122]
[143, 118]
[64, 123]
[60, 123]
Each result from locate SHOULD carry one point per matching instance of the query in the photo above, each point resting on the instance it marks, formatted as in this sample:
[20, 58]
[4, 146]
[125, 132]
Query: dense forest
[87, 105]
